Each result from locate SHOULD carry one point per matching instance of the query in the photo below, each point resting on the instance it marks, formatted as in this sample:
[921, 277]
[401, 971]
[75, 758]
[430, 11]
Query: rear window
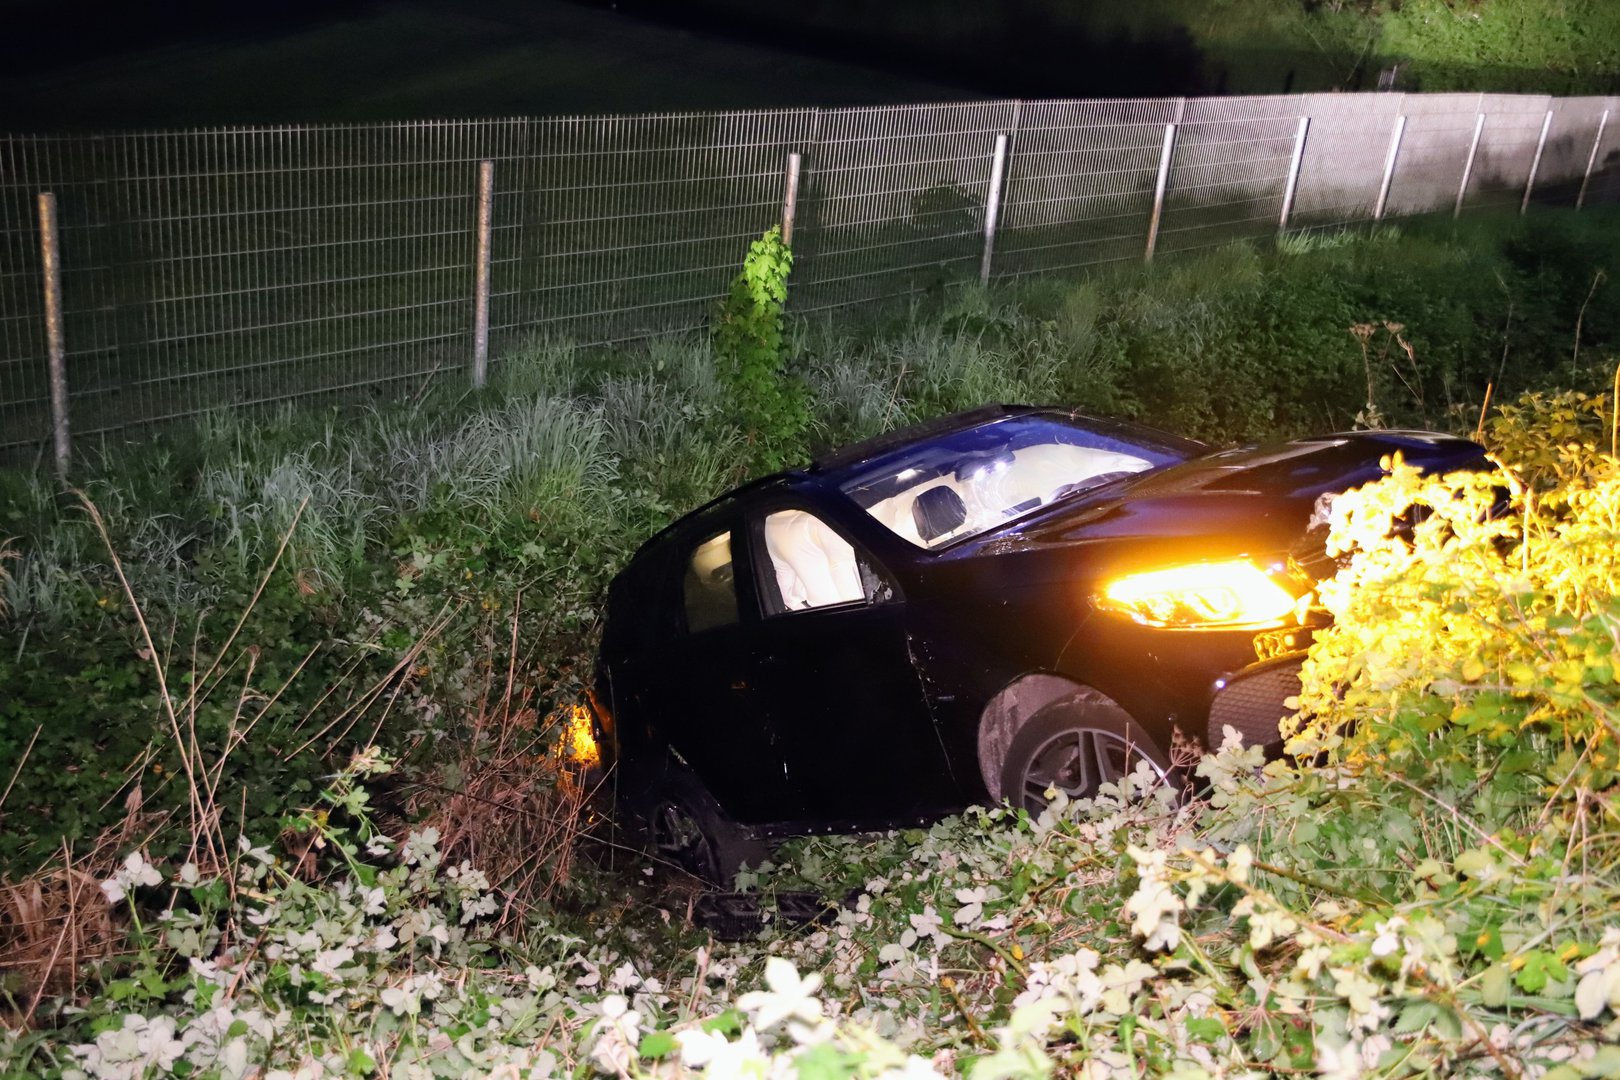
[708, 585]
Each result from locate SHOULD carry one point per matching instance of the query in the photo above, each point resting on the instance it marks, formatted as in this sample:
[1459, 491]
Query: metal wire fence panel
[1567, 149]
[1345, 149]
[23, 387]
[74, 169]
[1229, 165]
[1603, 189]
[1433, 155]
[278, 263]
[893, 200]
[1080, 183]
[635, 225]
[242, 266]
[1507, 146]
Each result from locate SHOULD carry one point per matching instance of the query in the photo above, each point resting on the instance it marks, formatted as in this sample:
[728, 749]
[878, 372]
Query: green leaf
[657, 1044]
[1539, 968]
[1416, 1016]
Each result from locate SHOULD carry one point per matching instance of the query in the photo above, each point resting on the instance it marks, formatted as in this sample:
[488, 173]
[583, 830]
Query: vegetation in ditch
[767, 403]
[1435, 895]
[286, 595]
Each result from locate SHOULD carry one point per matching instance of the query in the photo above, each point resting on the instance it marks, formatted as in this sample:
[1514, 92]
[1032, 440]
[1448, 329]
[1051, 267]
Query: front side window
[813, 566]
[709, 586]
[966, 482]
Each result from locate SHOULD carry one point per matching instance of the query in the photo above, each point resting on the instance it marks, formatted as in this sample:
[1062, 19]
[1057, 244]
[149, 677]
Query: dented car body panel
[858, 643]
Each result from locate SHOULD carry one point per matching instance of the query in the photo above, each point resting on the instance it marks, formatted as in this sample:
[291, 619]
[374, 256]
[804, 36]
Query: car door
[708, 695]
[834, 676]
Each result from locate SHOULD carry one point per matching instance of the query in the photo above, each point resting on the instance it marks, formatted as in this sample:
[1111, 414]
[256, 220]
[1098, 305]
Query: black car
[971, 610]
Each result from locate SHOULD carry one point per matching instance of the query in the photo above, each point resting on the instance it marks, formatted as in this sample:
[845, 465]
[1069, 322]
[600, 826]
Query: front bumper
[1253, 701]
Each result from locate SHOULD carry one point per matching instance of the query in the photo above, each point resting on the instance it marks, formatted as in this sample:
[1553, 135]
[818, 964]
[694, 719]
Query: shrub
[768, 405]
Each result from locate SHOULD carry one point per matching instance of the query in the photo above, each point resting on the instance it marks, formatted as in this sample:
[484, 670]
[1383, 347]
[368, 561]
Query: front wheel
[1075, 745]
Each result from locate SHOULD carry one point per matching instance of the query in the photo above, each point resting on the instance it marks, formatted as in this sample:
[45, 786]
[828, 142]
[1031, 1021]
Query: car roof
[855, 453]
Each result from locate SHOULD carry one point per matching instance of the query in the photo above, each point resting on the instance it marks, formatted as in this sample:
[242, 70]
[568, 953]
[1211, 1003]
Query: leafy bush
[749, 347]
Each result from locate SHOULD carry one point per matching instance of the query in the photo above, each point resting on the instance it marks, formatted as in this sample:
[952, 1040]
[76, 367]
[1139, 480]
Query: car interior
[815, 567]
[982, 490]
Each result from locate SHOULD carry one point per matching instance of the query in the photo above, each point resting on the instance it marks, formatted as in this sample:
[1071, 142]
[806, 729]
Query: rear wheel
[686, 828]
[1075, 745]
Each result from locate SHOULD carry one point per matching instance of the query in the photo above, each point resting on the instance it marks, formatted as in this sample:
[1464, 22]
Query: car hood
[1258, 495]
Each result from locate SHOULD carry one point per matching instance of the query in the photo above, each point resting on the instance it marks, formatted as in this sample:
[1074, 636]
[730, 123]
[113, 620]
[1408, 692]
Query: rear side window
[709, 586]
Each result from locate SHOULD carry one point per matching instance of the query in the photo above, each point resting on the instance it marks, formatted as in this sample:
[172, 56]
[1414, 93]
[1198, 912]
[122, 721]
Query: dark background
[68, 66]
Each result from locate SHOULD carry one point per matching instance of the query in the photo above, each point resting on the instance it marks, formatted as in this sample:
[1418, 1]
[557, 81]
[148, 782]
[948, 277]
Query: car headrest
[937, 511]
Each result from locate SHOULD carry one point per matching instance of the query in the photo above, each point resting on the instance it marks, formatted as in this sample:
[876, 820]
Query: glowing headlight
[1223, 594]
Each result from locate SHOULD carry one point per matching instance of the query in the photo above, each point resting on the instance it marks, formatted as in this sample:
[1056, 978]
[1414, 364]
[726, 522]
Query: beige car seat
[814, 565]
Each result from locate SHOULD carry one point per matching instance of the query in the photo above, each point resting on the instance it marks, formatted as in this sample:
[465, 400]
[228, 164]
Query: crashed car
[981, 608]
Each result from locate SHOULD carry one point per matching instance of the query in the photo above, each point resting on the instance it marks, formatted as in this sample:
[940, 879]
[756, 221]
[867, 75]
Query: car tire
[1076, 743]
[685, 828]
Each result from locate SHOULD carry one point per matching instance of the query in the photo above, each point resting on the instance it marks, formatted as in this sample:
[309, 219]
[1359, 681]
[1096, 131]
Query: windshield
[959, 484]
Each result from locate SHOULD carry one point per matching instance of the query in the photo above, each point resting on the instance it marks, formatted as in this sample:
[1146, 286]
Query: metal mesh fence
[894, 200]
[1228, 169]
[1080, 183]
[234, 267]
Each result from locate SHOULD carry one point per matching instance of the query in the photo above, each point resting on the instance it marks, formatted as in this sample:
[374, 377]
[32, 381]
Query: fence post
[992, 206]
[50, 258]
[1535, 163]
[1389, 167]
[1591, 159]
[790, 199]
[1159, 189]
[1468, 166]
[1293, 173]
[481, 263]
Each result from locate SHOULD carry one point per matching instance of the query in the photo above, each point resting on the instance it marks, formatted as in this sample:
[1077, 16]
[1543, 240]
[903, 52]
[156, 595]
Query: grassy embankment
[1156, 47]
[425, 577]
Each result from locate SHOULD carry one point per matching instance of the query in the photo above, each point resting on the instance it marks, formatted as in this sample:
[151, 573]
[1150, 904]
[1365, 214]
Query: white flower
[928, 924]
[915, 1068]
[421, 847]
[742, 1058]
[1268, 926]
[616, 1036]
[135, 871]
[327, 961]
[136, 1049]
[1600, 978]
[972, 901]
[1361, 994]
[698, 1047]
[789, 996]
[1120, 983]
[1153, 907]
[1389, 937]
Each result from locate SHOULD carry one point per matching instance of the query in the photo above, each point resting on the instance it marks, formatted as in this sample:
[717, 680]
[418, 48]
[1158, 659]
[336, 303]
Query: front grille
[1252, 702]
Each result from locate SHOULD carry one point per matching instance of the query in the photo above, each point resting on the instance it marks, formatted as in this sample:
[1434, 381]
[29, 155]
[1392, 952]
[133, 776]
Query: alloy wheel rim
[678, 839]
[1077, 761]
